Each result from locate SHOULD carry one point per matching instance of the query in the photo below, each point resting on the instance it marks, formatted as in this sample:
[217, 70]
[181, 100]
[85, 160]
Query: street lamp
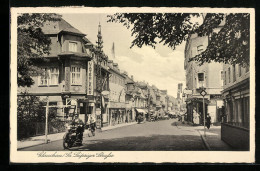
[203, 93]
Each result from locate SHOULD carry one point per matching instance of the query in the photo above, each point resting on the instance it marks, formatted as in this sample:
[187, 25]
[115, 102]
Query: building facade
[236, 114]
[208, 76]
[117, 108]
[67, 74]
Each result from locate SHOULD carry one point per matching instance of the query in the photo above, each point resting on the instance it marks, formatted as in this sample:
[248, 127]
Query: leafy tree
[229, 45]
[32, 43]
[30, 110]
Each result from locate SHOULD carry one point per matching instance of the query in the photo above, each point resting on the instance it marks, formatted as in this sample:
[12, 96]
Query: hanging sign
[90, 89]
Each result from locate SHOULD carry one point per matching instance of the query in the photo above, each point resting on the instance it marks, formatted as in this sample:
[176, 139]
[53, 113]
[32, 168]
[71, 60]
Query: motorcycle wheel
[66, 144]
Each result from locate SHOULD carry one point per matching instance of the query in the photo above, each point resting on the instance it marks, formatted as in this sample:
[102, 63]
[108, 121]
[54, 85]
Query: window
[234, 73]
[54, 76]
[201, 80]
[225, 80]
[75, 75]
[247, 68]
[229, 74]
[50, 76]
[73, 46]
[43, 79]
[221, 78]
[200, 49]
[239, 71]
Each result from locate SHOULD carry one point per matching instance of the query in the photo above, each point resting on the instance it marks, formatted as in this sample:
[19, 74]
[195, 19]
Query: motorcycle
[72, 137]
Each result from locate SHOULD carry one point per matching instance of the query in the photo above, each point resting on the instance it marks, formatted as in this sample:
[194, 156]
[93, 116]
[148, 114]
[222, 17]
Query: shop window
[75, 75]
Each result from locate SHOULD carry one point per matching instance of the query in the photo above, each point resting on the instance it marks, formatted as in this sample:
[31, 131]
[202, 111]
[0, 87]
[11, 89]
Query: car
[166, 117]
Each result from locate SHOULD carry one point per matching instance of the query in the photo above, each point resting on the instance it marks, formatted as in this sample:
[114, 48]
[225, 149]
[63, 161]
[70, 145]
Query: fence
[38, 128]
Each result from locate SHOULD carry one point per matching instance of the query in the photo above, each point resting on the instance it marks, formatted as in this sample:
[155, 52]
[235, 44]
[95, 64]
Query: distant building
[117, 108]
[236, 94]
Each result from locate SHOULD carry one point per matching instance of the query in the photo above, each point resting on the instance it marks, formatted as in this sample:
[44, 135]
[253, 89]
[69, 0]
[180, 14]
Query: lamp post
[203, 93]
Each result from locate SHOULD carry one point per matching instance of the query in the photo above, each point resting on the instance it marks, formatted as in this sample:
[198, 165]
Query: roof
[142, 84]
[129, 80]
[55, 27]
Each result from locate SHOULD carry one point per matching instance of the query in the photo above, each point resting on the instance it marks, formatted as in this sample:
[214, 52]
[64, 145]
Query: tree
[229, 45]
[31, 110]
[32, 44]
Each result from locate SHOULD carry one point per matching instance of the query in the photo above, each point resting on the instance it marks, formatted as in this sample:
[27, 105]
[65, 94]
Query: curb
[61, 138]
[205, 141]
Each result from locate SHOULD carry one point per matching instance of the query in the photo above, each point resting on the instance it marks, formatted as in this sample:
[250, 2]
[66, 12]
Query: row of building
[227, 93]
[78, 77]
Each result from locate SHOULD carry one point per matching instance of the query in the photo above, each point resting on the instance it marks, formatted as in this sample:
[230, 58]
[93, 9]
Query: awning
[141, 111]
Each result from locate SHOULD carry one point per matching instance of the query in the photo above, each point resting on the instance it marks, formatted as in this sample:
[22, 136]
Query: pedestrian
[208, 121]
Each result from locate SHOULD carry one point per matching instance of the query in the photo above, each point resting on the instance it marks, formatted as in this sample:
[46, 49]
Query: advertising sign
[90, 88]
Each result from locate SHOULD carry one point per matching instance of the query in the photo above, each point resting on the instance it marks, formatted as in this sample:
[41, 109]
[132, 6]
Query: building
[164, 101]
[117, 109]
[236, 94]
[208, 76]
[129, 98]
[68, 72]
[63, 77]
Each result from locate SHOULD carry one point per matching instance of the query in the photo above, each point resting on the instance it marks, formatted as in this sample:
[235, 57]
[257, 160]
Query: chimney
[132, 77]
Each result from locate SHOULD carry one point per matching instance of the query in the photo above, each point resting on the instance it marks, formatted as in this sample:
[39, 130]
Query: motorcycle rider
[80, 127]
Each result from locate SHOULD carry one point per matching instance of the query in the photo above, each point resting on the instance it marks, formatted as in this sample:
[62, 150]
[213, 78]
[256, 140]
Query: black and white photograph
[132, 85]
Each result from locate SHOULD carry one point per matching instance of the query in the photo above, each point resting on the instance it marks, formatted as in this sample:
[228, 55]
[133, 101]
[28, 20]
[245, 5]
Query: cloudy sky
[162, 66]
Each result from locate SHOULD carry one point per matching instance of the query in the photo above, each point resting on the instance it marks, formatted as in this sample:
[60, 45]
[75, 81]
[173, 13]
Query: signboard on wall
[90, 88]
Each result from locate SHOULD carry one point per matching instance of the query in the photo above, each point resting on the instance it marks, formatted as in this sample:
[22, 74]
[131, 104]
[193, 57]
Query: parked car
[166, 117]
[173, 115]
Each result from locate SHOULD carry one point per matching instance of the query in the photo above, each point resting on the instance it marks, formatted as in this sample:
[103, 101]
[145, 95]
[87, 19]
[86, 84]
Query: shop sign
[90, 73]
[186, 91]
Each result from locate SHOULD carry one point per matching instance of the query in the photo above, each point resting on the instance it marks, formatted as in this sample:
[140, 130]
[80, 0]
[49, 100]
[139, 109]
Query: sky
[162, 66]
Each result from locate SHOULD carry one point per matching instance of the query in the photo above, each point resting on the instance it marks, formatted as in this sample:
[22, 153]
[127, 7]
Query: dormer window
[200, 49]
[73, 46]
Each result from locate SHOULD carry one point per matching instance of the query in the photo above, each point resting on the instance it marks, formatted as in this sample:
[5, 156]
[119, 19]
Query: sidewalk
[33, 141]
[213, 140]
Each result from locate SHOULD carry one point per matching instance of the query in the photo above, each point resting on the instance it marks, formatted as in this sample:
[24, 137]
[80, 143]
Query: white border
[130, 156]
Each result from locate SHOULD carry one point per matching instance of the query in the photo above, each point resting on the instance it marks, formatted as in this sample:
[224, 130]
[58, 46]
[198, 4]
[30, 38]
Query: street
[165, 135]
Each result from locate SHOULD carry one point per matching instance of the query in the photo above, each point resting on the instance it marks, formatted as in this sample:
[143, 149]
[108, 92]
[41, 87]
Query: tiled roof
[60, 26]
